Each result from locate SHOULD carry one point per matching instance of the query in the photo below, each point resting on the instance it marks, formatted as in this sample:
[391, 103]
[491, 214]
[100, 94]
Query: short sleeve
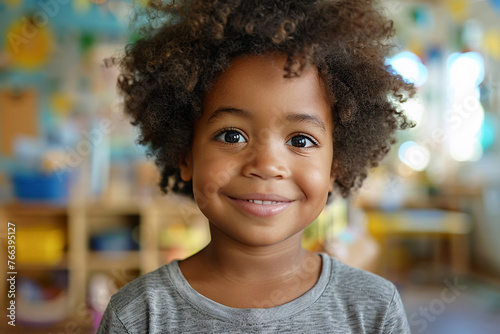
[395, 321]
[110, 323]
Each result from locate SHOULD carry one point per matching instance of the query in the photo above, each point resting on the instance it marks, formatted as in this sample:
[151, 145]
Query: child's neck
[256, 264]
[245, 276]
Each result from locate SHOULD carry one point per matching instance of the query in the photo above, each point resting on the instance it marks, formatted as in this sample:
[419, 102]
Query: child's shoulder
[142, 289]
[353, 283]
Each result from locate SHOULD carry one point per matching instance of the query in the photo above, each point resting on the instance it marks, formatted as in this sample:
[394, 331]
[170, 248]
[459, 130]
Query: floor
[452, 305]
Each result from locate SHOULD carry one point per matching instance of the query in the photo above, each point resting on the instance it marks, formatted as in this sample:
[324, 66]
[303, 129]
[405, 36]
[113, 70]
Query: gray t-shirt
[344, 300]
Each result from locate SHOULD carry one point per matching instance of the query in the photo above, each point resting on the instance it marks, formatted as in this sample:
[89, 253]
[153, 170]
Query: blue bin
[114, 240]
[37, 186]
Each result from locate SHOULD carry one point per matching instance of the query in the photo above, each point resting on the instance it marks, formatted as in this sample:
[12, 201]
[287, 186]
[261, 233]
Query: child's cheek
[213, 174]
[316, 182]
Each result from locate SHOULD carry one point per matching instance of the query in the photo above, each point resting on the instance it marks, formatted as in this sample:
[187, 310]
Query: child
[259, 110]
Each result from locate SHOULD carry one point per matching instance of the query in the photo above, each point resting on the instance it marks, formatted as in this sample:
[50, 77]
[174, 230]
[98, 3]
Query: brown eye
[301, 141]
[230, 136]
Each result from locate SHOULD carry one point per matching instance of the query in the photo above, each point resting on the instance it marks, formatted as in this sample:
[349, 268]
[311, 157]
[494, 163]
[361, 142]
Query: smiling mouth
[264, 207]
[256, 201]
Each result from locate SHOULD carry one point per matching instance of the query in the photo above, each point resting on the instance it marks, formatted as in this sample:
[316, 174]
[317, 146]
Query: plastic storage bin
[40, 245]
[37, 186]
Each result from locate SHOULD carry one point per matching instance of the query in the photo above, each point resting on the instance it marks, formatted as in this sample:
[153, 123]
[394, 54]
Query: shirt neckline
[249, 315]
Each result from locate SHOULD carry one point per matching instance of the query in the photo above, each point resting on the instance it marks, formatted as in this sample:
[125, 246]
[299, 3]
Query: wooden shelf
[132, 208]
[81, 220]
[61, 265]
[103, 260]
[35, 208]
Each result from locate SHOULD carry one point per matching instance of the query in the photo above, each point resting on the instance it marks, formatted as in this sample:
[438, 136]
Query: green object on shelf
[87, 41]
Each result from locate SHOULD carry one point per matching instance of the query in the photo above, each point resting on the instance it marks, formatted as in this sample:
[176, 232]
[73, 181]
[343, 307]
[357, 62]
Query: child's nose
[266, 162]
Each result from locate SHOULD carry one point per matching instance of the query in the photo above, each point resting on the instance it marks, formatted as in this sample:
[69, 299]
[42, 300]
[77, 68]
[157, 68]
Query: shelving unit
[79, 221]
[46, 258]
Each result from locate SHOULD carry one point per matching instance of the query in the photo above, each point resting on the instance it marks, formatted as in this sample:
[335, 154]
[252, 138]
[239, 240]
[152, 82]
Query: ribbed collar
[250, 315]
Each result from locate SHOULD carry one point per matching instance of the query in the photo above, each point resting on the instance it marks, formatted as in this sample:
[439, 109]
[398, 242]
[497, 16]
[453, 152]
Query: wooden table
[436, 224]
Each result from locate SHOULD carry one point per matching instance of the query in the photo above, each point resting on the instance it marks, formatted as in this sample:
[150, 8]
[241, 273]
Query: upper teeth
[256, 201]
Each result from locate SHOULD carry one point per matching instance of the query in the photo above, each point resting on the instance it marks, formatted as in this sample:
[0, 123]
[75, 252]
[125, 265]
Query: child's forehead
[267, 70]
[257, 85]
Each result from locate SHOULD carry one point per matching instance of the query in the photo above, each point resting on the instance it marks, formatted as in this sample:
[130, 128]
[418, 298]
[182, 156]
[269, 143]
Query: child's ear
[186, 166]
[332, 179]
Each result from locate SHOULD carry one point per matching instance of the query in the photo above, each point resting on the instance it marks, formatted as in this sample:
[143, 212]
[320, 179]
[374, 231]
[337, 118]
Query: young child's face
[262, 151]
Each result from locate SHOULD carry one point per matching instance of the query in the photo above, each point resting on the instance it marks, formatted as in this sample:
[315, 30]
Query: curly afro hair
[166, 73]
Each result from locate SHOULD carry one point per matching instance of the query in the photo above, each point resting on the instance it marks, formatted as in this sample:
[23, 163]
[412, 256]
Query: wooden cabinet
[120, 240]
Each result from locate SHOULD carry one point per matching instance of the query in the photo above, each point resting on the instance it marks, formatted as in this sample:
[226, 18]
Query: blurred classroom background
[89, 218]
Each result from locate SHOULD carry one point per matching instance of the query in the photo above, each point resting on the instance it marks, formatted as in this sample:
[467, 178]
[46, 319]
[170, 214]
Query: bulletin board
[18, 116]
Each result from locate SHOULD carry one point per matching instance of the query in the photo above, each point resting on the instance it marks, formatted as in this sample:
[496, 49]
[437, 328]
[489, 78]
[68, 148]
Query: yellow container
[39, 245]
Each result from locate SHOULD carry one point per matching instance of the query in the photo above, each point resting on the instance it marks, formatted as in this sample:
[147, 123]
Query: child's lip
[261, 197]
[261, 205]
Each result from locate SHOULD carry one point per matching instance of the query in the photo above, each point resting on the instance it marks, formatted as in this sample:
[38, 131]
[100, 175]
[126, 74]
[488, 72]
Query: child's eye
[301, 141]
[230, 136]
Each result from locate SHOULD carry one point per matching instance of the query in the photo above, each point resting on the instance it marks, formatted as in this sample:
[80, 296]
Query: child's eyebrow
[291, 116]
[220, 112]
[307, 118]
